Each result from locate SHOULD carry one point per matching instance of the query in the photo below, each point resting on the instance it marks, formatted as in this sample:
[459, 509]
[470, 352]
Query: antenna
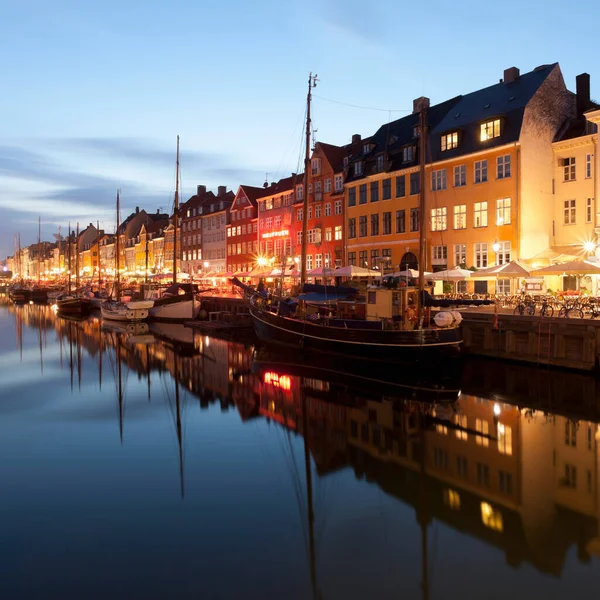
[267, 179]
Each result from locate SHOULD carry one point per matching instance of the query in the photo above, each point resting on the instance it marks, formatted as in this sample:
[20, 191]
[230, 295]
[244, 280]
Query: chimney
[137, 210]
[201, 190]
[356, 138]
[511, 74]
[222, 190]
[582, 83]
[419, 103]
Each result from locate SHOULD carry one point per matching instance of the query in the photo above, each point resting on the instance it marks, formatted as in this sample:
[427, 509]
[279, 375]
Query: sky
[93, 94]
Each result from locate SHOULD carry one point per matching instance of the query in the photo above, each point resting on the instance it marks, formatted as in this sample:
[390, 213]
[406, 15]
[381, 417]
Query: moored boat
[136, 310]
[73, 304]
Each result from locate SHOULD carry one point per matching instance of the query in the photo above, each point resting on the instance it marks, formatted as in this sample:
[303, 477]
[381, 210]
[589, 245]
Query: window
[298, 215]
[461, 422]
[460, 254]
[386, 189]
[452, 499]
[375, 224]
[387, 223]
[589, 209]
[314, 236]
[362, 194]
[374, 191]
[491, 517]
[408, 153]
[440, 458]
[415, 184]
[352, 228]
[318, 211]
[570, 434]
[366, 148]
[569, 169]
[338, 207]
[309, 262]
[317, 187]
[462, 466]
[503, 286]
[480, 216]
[450, 141]
[414, 219]
[358, 168]
[503, 211]
[460, 217]
[438, 180]
[328, 234]
[460, 175]
[503, 167]
[352, 197]
[374, 258]
[400, 221]
[483, 475]
[327, 185]
[439, 254]
[362, 258]
[379, 164]
[503, 254]
[588, 165]
[481, 255]
[362, 226]
[569, 212]
[481, 171]
[504, 439]
[338, 232]
[299, 192]
[328, 209]
[316, 166]
[352, 258]
[439, 220]
[339, 183]
[400, 186]
[570, 479]
[318, 261]
[310, 211]
[482, 427]
[489, 130]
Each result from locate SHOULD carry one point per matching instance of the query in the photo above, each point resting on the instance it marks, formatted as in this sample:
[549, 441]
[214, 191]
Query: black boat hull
[74, 306]
[379, 345]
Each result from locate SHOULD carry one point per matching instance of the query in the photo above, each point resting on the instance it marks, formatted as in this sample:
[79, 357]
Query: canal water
[152, 462]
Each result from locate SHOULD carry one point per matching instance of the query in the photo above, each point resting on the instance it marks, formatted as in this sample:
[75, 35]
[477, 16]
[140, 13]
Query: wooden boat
[73, 304]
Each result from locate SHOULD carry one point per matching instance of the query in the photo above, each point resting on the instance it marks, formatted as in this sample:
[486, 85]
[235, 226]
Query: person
[260, 288]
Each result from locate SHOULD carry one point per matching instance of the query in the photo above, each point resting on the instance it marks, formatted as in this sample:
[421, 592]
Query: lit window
[461, 422]
[439, 220]
[503, 211]
[491, 517]
[480, 214]
[452, 499]
[570, 210]
[338, 232]
[504, 439]
[460, 217]
[482, 427]
[490, 130]
[441, 429]
[450, 141]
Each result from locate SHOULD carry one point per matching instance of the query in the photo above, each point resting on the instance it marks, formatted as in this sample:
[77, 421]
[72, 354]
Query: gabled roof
[286, 184]
[334, 155]
[252, 193]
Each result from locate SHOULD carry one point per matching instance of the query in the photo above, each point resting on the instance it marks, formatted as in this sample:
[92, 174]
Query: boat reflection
[507, 454]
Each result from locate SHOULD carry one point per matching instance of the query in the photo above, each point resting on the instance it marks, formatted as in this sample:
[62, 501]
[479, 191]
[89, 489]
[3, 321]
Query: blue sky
[94, 93]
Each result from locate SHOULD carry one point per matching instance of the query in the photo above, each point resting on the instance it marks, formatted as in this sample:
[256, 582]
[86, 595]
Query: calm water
[166, 465]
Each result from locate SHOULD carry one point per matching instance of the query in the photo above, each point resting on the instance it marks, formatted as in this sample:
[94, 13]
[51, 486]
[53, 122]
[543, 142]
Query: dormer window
[366, 148]
[449, 141]
[408, 154]
[380, 163]
[358, 168]
[345, 161]
[416, 131]
[489, 130]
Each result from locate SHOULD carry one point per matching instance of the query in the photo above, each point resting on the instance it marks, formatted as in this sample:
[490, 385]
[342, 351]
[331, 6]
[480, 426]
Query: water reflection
[508, 456]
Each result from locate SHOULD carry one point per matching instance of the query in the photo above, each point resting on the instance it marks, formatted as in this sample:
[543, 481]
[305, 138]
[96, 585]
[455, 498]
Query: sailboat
[117, 310]
[177, 302]
[72, 303]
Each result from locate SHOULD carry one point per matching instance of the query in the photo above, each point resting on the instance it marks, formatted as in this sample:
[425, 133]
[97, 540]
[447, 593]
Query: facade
[214, 219]
[242, 232]
[325, 220]
[279, 220]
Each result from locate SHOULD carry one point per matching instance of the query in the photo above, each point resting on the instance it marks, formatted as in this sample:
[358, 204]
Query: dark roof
[334, 155]
[284, 185]
[253, 193]
[505, 100]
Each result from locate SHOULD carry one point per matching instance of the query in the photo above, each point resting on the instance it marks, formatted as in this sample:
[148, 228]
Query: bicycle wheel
[563, 312]
[573, 313]
[546, 311]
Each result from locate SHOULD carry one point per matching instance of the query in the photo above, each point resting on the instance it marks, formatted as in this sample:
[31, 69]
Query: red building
[276, 219]
[325, 222]
[242, 232]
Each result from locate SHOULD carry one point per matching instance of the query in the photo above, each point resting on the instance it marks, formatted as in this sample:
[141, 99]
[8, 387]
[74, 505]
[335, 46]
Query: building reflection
[515, 466]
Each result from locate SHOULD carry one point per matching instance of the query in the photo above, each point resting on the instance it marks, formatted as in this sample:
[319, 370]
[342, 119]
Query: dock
[554, 341]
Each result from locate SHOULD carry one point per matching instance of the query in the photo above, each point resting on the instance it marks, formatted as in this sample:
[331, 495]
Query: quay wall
[559, 342]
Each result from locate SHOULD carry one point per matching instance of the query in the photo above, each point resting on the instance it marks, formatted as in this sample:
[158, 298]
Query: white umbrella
[456, 274]
[321, 272]
[354, 271]
[409, 273]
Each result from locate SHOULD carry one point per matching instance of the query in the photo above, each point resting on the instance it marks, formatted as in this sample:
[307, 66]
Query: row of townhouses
[511, 173]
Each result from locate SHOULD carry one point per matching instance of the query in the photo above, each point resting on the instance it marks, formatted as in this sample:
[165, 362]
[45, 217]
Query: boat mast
[118, 275]
[176, 216]
[146, 278]
[178, 425]
[77, 258]
[98, 249]
[422, 219]
[312, 82]
[69, 256]
[39, 249]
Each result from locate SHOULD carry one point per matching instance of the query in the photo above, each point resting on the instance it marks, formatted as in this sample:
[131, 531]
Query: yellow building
[488, 179]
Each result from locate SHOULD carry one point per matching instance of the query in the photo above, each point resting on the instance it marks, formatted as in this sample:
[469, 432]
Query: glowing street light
[589, 246]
